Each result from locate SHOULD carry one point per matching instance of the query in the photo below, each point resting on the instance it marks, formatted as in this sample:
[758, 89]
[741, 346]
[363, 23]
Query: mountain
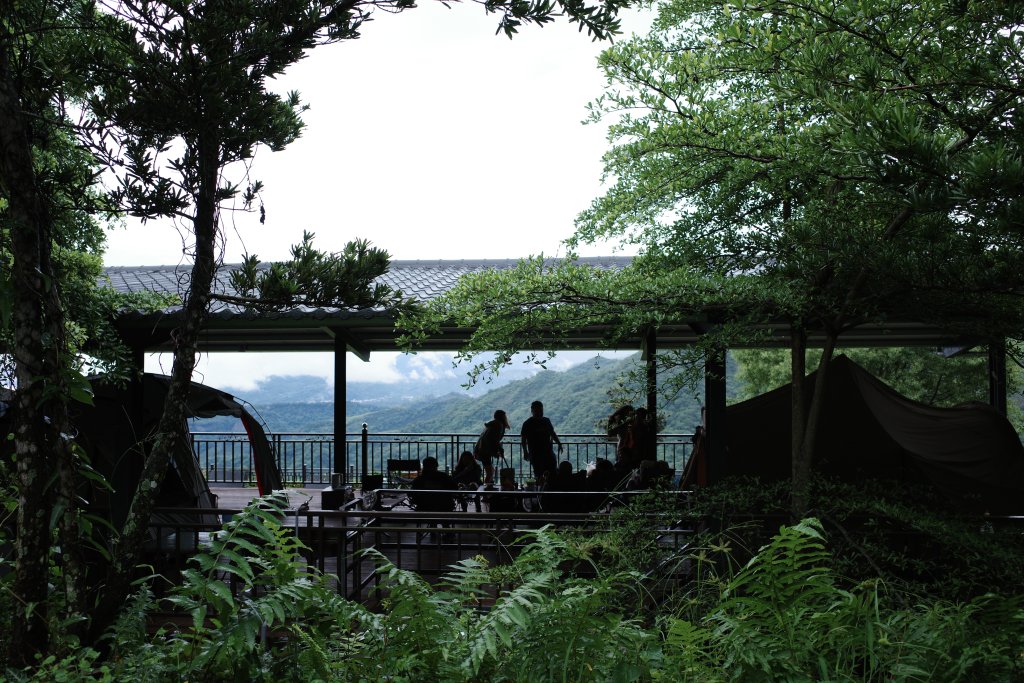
[418, 382]
[576, 400]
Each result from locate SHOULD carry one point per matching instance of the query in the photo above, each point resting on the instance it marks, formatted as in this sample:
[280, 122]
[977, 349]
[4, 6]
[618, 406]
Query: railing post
[278, 452]
[365, 446]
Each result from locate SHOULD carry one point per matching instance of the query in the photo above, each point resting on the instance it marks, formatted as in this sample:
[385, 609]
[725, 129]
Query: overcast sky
[430, 136]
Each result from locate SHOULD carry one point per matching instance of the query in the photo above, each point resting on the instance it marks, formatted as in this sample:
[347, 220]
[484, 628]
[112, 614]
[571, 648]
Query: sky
[433, 138]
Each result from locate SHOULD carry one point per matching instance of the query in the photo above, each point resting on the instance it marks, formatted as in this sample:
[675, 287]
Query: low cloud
[241, 372]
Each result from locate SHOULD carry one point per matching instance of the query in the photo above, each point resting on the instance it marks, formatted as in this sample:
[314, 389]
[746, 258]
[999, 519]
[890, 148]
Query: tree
[185, 104]
[855, 156]
[47, 202]
[833, 163]
[181, 83]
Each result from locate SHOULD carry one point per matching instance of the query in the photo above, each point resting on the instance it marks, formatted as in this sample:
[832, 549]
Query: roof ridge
[471, 262]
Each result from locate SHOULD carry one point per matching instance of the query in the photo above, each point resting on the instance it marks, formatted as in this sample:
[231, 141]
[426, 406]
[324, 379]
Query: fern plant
[275, 593]
[782, 616]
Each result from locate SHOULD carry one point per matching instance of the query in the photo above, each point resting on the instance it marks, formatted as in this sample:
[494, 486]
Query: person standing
[488, 446]
[645, 437]
[536, 438]
[620, 426]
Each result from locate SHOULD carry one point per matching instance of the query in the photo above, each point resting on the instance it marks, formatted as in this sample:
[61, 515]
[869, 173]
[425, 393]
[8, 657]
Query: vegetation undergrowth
[569, 607]
[913, 537]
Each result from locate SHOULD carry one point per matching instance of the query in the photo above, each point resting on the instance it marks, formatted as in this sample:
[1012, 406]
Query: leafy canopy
[818, 164]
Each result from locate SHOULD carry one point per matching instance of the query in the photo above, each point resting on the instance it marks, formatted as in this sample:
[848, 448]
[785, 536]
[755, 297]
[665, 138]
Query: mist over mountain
[418, 383]
[576, 400]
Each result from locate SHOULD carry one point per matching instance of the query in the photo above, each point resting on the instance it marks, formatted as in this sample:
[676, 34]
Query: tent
[868, 430]
[116, 431]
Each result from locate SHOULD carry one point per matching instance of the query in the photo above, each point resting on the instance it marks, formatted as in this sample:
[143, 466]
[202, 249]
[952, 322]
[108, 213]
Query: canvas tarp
[116, 430]
[971, 452]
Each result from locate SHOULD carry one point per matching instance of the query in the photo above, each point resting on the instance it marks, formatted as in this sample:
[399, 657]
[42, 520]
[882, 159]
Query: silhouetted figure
[602, 478]
[536, 438]
[620, 425]
[488, 446]
[435, 481]
[506, 503]
[651, 474]
[468, 473]
[645, 436]
[560, 481]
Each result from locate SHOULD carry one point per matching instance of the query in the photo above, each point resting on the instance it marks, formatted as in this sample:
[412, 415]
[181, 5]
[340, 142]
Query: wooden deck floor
[237, 497]
[424, 543]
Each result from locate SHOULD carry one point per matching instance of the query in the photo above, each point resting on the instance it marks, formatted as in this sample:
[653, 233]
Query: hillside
[575, 399]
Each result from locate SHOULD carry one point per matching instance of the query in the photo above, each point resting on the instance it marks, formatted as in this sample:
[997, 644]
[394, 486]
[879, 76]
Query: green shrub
[911, 537]
[784, 617]
[785, 614]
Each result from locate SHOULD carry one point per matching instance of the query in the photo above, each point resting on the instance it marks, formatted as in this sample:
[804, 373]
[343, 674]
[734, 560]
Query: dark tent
[117, 428]
[868, 430]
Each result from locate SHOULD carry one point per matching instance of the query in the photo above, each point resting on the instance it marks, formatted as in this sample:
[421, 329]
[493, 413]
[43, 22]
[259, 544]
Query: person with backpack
[488, 446]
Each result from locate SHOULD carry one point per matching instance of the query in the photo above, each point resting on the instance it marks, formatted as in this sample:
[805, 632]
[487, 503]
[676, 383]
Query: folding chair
[401, 472]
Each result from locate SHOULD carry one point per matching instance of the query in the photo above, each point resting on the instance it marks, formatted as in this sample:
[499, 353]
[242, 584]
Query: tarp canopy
[117, 430]
[971, 452]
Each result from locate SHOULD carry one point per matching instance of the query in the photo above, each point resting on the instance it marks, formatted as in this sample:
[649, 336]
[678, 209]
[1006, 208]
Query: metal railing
[308, 459]
[430, 543]
[427, 543]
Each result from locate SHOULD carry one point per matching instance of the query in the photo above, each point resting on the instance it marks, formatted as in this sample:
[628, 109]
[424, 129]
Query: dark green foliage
[276, 599]
[913, 538]
[786, 614]
[785, 617]
[347, 279]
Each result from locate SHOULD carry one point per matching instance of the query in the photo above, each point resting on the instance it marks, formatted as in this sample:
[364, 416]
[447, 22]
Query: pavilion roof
[301, 328]
[231, 328]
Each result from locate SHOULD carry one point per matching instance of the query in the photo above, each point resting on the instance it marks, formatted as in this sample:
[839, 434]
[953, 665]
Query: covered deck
[230, 329]
[427, 543]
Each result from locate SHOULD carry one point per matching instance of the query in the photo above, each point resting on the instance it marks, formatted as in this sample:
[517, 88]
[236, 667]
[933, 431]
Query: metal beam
[361, 350]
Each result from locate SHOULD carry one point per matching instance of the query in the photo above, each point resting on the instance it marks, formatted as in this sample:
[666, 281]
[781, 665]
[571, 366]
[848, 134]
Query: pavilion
[232, 329]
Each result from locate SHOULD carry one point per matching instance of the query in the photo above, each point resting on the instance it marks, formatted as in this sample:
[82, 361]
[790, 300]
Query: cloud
[244, 371]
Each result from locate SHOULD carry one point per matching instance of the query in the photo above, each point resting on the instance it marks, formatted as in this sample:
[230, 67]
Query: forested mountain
[576, 400]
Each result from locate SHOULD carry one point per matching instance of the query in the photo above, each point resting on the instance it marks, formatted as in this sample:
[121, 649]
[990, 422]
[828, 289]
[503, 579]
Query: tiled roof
[422, 280]
[229, 328]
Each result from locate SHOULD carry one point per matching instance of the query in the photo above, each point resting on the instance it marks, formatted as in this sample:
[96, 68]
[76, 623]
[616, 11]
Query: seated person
[500, 503]
[602, 478]
[561, 480]
[468, 473]
[651, 474]
[432, 479]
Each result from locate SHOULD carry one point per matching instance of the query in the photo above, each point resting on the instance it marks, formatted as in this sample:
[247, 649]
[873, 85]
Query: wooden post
[340, 463]
[365, 449]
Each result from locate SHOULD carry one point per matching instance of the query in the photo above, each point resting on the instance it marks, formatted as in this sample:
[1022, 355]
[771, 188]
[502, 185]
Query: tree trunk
[172, 427]
[799, 468]
[26, 216]
[804, 445]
